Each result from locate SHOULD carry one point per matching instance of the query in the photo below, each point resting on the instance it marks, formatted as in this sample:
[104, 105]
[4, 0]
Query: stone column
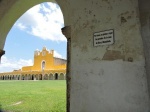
[19, 77]
[53, 78]
[38, 77]
[47, 76]
[58, 77]
[67, 32]
[43, 75]
[144, 8]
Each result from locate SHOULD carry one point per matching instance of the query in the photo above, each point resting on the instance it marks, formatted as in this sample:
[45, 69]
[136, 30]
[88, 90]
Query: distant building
[45, 67]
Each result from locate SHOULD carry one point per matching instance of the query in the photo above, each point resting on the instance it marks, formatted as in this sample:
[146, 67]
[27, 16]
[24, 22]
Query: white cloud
[21, 26]
[44, 21]
[8, 65]
[57, 55]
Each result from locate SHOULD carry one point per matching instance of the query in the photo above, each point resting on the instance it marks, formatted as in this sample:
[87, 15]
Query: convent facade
[45, 67]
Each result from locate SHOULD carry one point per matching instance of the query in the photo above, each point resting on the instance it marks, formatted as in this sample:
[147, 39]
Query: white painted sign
[104, 37]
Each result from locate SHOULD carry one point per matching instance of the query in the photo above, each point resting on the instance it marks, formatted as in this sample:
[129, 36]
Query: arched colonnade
[50, 76]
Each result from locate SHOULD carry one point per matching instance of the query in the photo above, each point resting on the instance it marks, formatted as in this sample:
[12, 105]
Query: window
[43, 65]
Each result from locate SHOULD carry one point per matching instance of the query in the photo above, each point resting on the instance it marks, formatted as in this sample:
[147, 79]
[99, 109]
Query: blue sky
[40, 26]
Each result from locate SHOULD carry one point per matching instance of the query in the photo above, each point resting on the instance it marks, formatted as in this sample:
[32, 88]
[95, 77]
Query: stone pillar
[35, 77]
[38, 76]
[58, 77]
[20, 77]
[144, 8]
[64, 76]
[43, 74]
[47, 76]
[67, 32]
[53, 77]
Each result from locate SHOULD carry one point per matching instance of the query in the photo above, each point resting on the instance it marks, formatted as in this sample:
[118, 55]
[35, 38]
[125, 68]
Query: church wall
[58, 61]
[27, 68]
[60, 67]
[47, 57]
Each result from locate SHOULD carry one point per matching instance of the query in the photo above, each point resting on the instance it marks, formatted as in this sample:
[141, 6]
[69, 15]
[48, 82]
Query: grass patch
[33, 96]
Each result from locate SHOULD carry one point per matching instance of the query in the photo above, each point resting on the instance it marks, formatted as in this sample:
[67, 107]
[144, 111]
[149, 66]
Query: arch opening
[39, 77]
[56, 76]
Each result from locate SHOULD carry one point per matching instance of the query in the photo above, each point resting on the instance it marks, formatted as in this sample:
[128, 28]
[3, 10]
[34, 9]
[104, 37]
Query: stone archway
[40, 77]
[19, 77]
[23, 77]
[56, 76]
[14, 13]
[36, 77]
[16, 77]
[29, 76]
[50, 76]
[61, 76]
[106, 77]
[32, 77]
[26, 77]
[46, 77]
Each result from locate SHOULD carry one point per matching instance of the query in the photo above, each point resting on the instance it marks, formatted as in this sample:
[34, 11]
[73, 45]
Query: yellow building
[45, 67]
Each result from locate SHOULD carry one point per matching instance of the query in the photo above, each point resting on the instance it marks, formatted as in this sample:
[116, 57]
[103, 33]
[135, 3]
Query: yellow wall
[39, 57]
[27, 68]
[48, 58]
[60, 67]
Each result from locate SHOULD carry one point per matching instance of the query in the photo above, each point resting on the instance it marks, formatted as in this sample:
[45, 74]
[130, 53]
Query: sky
[38, 27]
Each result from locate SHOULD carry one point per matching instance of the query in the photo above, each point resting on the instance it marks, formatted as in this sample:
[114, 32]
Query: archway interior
[38, 27]
[24, 37]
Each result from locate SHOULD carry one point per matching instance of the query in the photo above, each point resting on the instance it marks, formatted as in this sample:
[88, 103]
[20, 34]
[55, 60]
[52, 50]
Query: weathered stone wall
[108, 78]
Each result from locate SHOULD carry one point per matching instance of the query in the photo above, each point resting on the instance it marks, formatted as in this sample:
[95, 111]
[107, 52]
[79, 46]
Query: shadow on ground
[1, 109]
